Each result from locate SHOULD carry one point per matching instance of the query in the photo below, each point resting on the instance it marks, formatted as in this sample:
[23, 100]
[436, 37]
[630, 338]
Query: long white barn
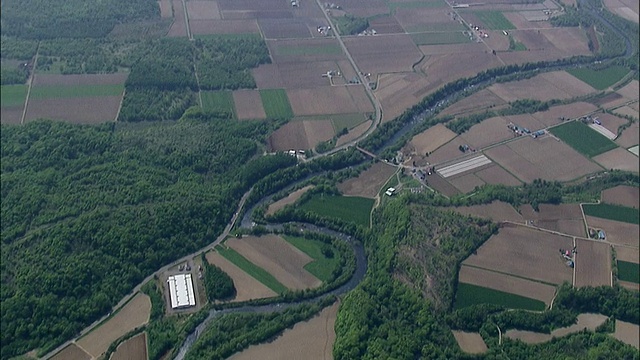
[181, 291]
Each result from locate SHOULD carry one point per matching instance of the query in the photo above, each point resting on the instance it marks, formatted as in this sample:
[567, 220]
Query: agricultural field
[622, 195]
[247, 287]
[218, 101]
[248, 105]
[630, 136]
[279, 258]
[12, 103]
[488, 132]
[369, 182]
[471, 343]
[179, 26]
[475, 103]
[468, 295]
[564, 218]
[383, 54]
[493, 20]
[618, 159]
[428, 141]
[617, 232]
[312, 340]
[287, 200]
[301, 135]
[628, 333]
[628, 271]
[77, 91]
[592, 263]
[132, 349]
[497, 211]
[71, 352]
[322, 265]
[543, 87]
[585, 321]
[600, 79]
[613, 212]
[232, 27]
[328, 100]
[438, 38]
[627, 9]
[276, 104]
[135, 313]
[354, 133]
[250, 268]
[347, 208]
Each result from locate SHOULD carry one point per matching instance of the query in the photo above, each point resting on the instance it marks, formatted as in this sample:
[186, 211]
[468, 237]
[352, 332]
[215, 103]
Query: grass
[494, 20]
[252, 269]
[321, 267]
[416, 4]
[293, 50]
[437, 38]
[628, 271]
[218, 100]
[276, 104]
[75, 91]
[583, 138]
[600, 79]
[515, 45]
[352, 208]
[613, 212]
[348, 121]
[12, 95]
[468, 295]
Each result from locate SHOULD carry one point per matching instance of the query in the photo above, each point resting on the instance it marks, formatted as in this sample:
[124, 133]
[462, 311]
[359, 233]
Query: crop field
[525, 253]
[622, 195]
[564, 218]
[71, 352]
[466, 183]
[218, 101]
[528, 159]
[354, 133]
[348, 121]
[476, 102]
[321, 267]
[600, 79]
[383, 54]
[628, 333]
[248, 105]
[613, 212]
[289, 199]
[11, 115]
[247, 287]
[250, 268]
[80, 110]
[165, 9]
[416, 4]
[630, 136]
[630, 91]
[284, 28]
[179, 26]
[369, 182]
[568, 111]
[12, 95]
[279, 258]
[426, 19]
[582, 138]
[202, 28]
[506, 283]
[347, 208]
[494, 20]
[592, 264]
[386, 25]
[471, 343]
[398, 91]
[489, 131]
[133, 314]
[585, 321]
[497, 211]
[468, 295]
[628, 254]
[428, 141]
[276, 103]
[202, 10]
[79, 80]
[628, 271]
[301, 135]
[308, 49]
[325, 100]
[438, 38]
[55, 92]
[132, 349]
[617, 232]
[311, 340]
[542, 87]
[618, 159]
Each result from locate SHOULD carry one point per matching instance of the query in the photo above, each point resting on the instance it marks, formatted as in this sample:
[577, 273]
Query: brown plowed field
[617, 232]
[202, 10]
[447, 49]
[611, 122]
[441, 185]
[521, 22]
[497, 41]
[585, 321]
[572, 41]
[619, 159]
[247, 288]
[569, 111]
[71, 352]
[132, 349]
[488, 132]
[481, 100]
[630, 110]
[471, 343]
[630, 136]
[209, 27]
[466, 183]
[564, 218]
[281, 52]
[628, 333]
[253, 5]
[497, 211]
[447, 152]
[497, 175]
[536, 88]
[84, 79]
[301, 135]
[11, 115]
[284, 28]
[533, 39]
[522, 57]
[324, 100]
[360, 98]
[86, 110]
[628, 254]
[529, 159]
[526, 121]
[630, 91]
[399, 91]
[609, 98]
[267, 76]
[179, 26]
[281, 259]
[506, 283]
[429, 140]
[165, 9]
[593, 263]
[289, 199]
[310, 340]
[526, 253]
[568, 83]
[248, 105]
[622, 195]
[409, 18]
[629, 285]
[622, 9]
[386, 25]
[354, 133]
[442, 69]
[318, 131]
[135, 313]
[383, 54]
[295, 75]
[363, 8]
[369, 182]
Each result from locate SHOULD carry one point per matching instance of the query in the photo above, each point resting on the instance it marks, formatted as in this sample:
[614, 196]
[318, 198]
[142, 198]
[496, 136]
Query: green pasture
[438, 38]
[416, 4]
[12, 95]
[437, 27]
[300, 50]
[613, 212]
[218, 100]
[276, 104]
[468, 295]
[583, 138]
[516, 45]
[252, 269]
[600, 79]
[75, 91]
[494, 20]
[628, 271]
[348, 208]
[321, 266]
[348, 121]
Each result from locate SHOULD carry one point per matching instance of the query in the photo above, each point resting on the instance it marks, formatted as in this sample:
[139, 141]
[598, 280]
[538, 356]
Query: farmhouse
[181, 291]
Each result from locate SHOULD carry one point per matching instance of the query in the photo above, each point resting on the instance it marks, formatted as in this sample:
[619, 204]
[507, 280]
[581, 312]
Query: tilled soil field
[618, 159]
[497, 175]
[132, 349]
[429, 140]
[617, 232]
[593, 263]
[11, 115]
[86, 110]
[481, 100]
[488, 132]
[471, 343]
[622, 195]
[383, 54]
[628, 333]
[211, 27]
[248, 105]
[289, 199]
[369, 182]
[247, 287]
[630, 136]
[71, 352]
[202, 10]
[569, 111]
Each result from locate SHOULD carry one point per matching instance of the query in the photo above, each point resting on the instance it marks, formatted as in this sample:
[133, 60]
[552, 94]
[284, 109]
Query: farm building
[181, 291]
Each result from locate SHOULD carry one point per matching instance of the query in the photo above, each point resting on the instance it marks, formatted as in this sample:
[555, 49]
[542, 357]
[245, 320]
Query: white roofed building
[181, 291]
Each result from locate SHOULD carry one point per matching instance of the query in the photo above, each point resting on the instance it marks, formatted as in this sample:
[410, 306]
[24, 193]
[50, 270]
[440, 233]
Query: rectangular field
[613, 212]
[12, 95]
[301, 135]
[71, 352]
[619, 159]
[600, 79]
[439, 38]
[369, 182]
[622, 195]
[250, 268]
[218, 101]
[248, 105]
[57, 92]
[81, 110]
[471, 343]
[616, 232]
[468, 295]
[132, 349]
[322, 266]
[347, 208]
[247, 287]
[593, 263]
[497, 211]
[463, 166]
[494, 20]
[628, 271]
[276, 104]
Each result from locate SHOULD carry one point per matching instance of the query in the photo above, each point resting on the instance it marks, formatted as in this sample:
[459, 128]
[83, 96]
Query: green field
[218, 100]
[416, 4]
[437, 38]
[252, 269]
[628, 271]
[75, 91]
[276, 104]
[515, 45]
[494, 20]
[468, 295]
[12, 95]
[583, 138]
[322, 266]
[326, 49]
[448, 26]
[348, 208]
[348, 121]
[612, 212]
[600, 79]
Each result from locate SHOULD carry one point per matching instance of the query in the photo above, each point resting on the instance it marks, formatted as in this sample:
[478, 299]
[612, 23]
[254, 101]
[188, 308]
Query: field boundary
[509, 274]
[253, 270]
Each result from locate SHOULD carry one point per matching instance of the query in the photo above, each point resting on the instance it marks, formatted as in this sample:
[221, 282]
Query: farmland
[470, 342]
[436, 38]
[276, 104]
[247, 287]
[322, 266]
[612, 212]
[71, 352]
[585, 321]
[13, 95]
[600, 79]
[132, 349]
[347, 208]
[628, 333]
[622, 195]
[494, 20]
[369, 182]
[628, 271]
[582, 138]
[289, 199]
[53, 92]
[255, 271]
[617, 232]
[218, 101]
[468, 295]
[593, 264]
